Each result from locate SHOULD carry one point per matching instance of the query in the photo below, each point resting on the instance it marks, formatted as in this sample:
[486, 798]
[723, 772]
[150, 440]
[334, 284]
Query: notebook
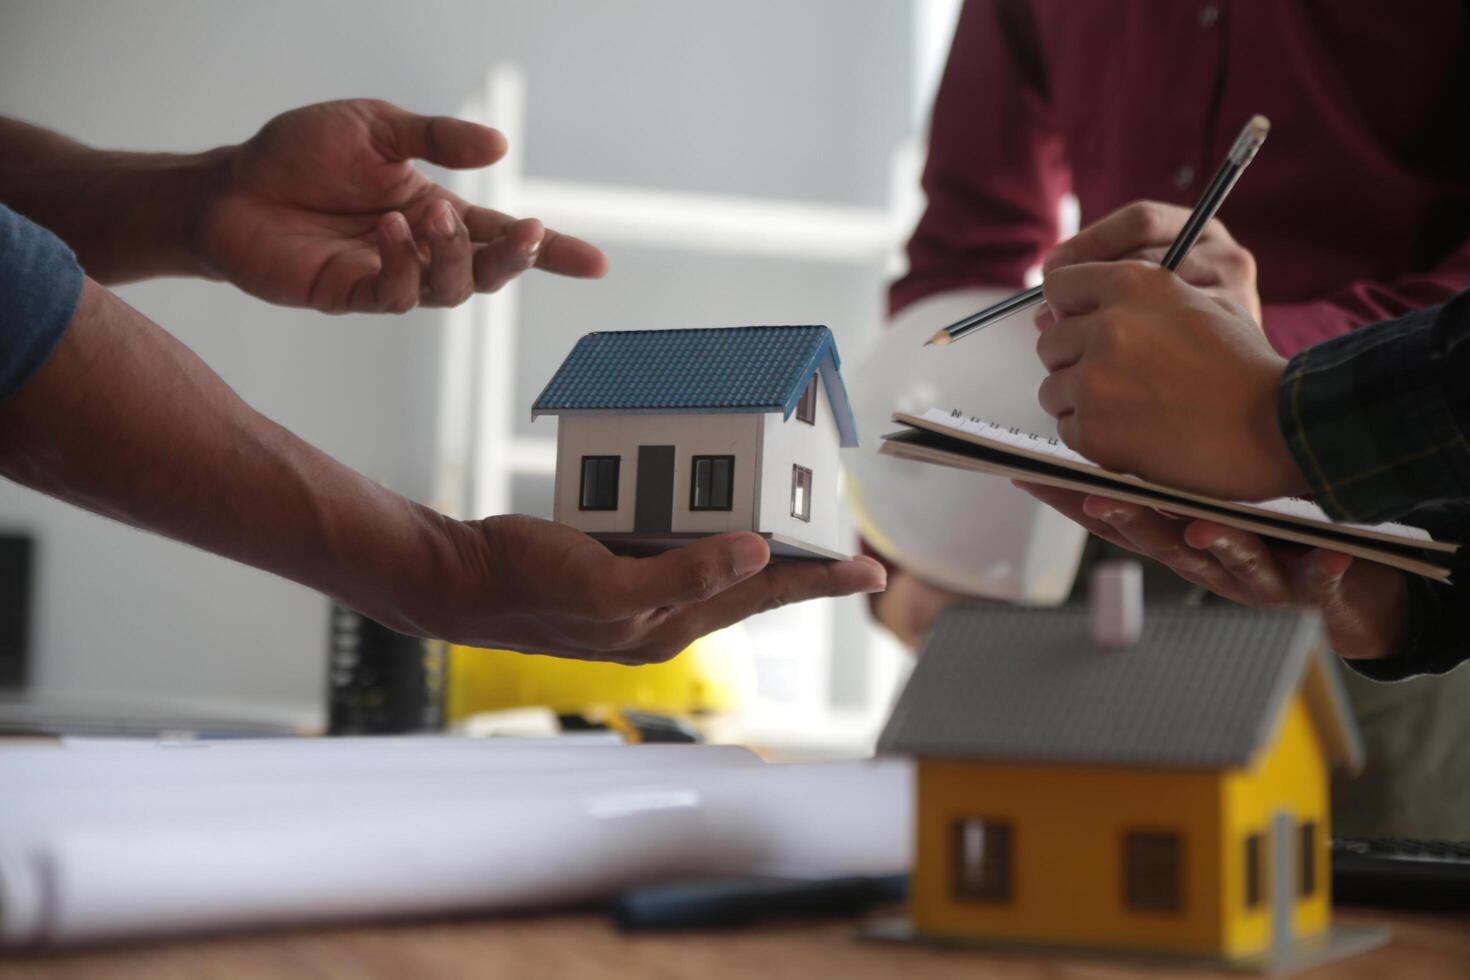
[955, 439]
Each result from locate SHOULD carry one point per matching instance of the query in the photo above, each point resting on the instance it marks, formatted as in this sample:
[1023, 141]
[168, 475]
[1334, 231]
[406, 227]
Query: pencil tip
[938, 340]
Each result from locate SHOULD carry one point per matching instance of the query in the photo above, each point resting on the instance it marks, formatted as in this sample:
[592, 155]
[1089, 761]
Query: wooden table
[1424, 947]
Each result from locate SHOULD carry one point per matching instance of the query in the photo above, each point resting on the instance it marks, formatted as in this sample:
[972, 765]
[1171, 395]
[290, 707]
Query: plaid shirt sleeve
[1378, 421]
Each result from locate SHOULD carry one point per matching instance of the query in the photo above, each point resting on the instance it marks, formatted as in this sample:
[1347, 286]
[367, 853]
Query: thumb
[443, 140]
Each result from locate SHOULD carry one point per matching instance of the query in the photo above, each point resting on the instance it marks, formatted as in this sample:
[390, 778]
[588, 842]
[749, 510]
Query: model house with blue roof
[668, 435]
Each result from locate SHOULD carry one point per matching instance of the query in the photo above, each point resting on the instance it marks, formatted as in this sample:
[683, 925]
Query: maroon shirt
[1357, 208]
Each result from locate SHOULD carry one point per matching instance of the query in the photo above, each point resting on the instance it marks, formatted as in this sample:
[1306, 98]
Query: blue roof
[722, 369]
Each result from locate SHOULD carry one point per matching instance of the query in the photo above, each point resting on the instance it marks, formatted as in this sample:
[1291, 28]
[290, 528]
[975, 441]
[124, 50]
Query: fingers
[1071, 504]
[570, 256]
[1321, 577]
[513, 252]
[395, 289]
[1044, 317]
[1080, 289]
[1062, 345]
[458, 265]
[1364, 605]
[1163, 539]
[442, 140]
[779, 585]
[628, 587]
[1145, 532]
[1140, 225]
[1248, 559]
[1152, 535]
[451, 271]
[1232, 563]
[562, 254]
[1201, 267]
[1057, 394]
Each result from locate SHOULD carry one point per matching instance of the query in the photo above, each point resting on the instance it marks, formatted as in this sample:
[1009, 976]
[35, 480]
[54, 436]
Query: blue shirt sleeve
[40, 284]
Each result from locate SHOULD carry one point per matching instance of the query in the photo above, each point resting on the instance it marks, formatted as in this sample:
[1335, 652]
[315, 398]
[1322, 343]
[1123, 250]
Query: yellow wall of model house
[1068, 824]
[1292, 776]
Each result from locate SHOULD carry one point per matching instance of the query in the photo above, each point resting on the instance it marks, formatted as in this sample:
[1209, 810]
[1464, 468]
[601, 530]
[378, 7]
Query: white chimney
[1116, 601]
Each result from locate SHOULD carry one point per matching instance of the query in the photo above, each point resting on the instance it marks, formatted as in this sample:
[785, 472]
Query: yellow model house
[1166, 797]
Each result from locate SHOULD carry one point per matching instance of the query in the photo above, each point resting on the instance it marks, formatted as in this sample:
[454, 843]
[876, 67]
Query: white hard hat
[964, 531]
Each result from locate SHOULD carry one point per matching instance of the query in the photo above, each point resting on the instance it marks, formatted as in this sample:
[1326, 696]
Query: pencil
[1252, 135]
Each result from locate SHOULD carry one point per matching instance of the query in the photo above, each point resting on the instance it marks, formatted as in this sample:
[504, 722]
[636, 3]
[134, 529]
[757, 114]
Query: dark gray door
[653, 510]
[1283, 878]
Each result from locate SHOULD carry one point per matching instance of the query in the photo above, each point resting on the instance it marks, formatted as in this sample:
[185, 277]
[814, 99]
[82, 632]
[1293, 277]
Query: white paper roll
[108, 845]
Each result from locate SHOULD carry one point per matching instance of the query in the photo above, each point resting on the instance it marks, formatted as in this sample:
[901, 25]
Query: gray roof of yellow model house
[1202, 688]
[691, 371]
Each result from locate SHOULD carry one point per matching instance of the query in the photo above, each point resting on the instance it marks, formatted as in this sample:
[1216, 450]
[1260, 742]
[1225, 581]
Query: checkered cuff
[1366, 418]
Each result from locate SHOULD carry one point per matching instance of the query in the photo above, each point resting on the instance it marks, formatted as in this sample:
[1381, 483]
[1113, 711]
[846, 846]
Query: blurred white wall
[760, 97]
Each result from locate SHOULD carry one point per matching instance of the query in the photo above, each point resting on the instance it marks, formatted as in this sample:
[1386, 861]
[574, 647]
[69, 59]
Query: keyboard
[1401, 872]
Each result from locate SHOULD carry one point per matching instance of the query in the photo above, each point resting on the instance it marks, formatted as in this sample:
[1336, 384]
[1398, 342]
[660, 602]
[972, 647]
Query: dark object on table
[722, 903]
[636, 727]
[17, 559]
[380, 682]
[1401, 872]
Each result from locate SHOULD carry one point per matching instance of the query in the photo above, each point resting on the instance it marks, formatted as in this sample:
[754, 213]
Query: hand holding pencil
[1150, 376]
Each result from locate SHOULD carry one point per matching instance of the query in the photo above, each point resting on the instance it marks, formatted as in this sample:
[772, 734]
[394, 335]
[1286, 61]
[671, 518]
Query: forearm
[1293, 327]
[128, 216]
[125, 421]
[996, 171]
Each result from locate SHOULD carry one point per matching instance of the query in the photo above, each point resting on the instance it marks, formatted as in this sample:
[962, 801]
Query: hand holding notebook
[953, 439]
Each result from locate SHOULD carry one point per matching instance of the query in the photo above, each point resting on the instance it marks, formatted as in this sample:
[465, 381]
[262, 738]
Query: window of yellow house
[1255, 868]
[982, 860]
[1307, 854]
[1153, 872]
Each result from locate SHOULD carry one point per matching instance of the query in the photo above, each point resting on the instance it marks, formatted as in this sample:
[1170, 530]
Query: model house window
[1153, 872]
[1306, 847]
[1255, 857]
[713, 483]
[599, 483]
[982, 860]
[801, 493]
[806, 409]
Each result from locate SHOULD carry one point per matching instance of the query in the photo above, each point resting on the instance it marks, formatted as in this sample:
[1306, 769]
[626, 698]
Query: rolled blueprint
[98, 844]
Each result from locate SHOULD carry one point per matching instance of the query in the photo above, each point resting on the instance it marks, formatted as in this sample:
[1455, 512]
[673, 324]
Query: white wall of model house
[765, 445]
[620, 435]
[793, 442]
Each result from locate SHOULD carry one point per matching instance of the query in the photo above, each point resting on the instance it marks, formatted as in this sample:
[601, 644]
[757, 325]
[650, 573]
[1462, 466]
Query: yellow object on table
[713, 675]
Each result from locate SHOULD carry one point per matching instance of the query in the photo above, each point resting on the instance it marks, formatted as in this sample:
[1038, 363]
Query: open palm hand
[324, 208]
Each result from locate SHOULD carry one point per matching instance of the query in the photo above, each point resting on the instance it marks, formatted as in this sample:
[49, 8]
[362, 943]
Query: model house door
[1283, 878]
[653, 507]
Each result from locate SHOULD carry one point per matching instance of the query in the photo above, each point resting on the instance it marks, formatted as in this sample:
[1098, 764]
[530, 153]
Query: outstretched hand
[543, 587]
[1363, 605]
[324, 208]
